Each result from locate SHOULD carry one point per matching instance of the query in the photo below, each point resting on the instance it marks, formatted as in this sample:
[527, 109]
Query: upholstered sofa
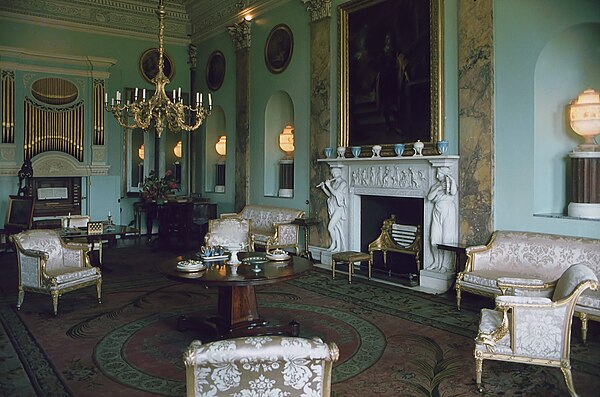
[271, 227]
[526, 263]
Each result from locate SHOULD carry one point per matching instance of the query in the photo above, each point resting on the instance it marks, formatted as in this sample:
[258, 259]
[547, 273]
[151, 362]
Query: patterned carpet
[393, 341]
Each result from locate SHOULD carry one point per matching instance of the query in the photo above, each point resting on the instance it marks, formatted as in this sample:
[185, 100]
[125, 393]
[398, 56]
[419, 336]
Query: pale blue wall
[225, 98]
[531, 138]
[295, 82]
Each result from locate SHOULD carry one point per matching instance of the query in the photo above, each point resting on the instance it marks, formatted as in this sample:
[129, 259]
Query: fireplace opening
[374, 210]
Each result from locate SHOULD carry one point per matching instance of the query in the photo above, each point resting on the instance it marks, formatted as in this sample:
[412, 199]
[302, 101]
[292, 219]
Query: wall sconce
[221, 148]
[286, 141]
[141, 152]
[221, 145]
[177, 149]
[584, 118]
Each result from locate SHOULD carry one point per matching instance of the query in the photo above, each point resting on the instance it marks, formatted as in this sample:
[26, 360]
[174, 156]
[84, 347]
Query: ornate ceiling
[185, 19]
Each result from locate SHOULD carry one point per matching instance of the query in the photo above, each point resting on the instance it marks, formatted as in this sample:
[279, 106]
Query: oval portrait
[278, 49]
[215, 70]
[148, 65]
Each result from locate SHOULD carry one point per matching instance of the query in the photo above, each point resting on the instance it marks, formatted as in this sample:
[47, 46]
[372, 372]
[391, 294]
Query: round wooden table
[237, 307]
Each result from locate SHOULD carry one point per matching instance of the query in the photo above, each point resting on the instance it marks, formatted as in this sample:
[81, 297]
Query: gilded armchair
[48, 265]
[534, 329]
[260, 365]
[228, 232]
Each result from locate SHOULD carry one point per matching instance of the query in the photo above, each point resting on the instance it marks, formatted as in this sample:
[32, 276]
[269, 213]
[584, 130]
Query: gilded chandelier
[159, 110]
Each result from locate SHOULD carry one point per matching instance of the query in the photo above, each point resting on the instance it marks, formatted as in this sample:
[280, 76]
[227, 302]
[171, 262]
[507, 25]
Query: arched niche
[215, 127]
[568, 64]
[279, 112]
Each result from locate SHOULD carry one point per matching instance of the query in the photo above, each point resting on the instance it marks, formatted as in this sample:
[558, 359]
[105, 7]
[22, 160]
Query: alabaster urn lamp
[584, 119]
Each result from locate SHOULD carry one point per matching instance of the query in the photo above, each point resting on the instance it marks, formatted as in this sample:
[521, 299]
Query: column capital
[240, 34]
[319, 9]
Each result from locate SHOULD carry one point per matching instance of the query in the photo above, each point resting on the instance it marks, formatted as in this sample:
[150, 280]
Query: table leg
[238, 315]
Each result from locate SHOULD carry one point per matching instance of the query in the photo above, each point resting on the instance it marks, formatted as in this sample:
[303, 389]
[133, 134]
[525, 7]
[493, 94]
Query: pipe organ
[53, 129]
[99, 112]
[8, 107]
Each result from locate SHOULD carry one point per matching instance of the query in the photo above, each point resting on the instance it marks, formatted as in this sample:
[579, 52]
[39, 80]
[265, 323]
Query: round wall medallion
[215, 70]
[148, 64]
[279, 48]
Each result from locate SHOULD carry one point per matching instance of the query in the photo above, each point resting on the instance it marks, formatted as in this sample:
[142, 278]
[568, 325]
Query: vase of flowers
[157, 189]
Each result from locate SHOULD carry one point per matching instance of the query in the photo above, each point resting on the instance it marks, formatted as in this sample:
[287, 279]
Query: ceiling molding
[211, 17]
[124, 18]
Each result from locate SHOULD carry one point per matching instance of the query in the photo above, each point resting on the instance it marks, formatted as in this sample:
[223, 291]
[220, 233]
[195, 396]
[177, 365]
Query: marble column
[320, 112]
[240, 35]
[476, 107]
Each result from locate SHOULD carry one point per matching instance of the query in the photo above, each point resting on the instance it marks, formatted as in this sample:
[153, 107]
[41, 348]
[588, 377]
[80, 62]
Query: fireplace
[376, 209]
[374, 185]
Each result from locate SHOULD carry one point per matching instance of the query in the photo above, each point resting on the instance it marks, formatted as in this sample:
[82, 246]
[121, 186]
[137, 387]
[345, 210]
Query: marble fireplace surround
[408, 176]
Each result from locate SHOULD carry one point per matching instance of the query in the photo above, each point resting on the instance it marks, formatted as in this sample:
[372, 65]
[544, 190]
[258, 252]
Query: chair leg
[99, 290]
[584, 327]
[333, 268]
[566, 370]
[458, 296]
[55, 302]
[370, 266]
[478, 370]
[350, 271]
[20, 298]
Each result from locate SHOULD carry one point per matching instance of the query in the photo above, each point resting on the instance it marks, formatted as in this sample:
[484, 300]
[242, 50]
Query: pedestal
[585, 185]
[286, 178]
[220, 178]
[436, 281]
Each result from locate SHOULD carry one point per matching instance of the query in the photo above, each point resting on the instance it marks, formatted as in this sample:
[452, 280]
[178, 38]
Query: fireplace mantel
[405, 176]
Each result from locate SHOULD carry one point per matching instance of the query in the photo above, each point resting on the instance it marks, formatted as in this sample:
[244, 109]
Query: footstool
[350, 257]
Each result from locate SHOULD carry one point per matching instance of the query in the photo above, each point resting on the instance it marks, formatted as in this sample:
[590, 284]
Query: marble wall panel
[476, 106]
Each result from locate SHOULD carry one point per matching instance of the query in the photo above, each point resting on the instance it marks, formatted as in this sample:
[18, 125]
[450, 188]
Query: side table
[460, 252]
[306, 223]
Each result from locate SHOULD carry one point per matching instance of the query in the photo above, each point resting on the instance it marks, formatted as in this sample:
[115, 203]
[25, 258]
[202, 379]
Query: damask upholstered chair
[228, 232]
[50, 266]
[260, 366]
[533, 329]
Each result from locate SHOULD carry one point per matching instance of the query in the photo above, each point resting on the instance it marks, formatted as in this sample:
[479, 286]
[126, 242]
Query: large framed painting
[390, 73]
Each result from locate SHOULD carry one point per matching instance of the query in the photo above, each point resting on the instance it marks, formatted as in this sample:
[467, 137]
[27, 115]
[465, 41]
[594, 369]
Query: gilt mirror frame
[372, 110]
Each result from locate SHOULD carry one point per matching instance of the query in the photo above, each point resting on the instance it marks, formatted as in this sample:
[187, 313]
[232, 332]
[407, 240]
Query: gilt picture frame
[279, 48]
[215, 70]
[148, 64]
[390, 73]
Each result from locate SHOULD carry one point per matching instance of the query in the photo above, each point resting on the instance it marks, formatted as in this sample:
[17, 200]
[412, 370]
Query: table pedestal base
[238, 316]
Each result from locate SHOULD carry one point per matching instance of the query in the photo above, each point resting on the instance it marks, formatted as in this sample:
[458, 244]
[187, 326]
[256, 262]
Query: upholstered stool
[350, 257]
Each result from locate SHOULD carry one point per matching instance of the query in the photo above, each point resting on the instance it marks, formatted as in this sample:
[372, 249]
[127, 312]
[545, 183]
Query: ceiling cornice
[127, 18]
[211, 17]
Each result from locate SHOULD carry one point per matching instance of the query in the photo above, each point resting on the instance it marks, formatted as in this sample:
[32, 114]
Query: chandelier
[159, 110]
